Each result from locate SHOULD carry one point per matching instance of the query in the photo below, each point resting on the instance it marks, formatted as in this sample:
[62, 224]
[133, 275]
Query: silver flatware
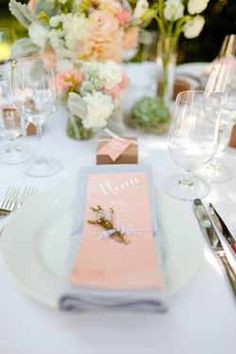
[9, 202]
[214, 242]
[14, 198]
[222, 228]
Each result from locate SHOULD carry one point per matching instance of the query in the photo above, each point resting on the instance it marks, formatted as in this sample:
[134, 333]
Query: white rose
[77, 106]
[99, 109]
[56, 20]
[197, 6]
[57, 42]
[140, 9]
[38, 34]
[110, 74]
[76, 30]
[174, 9]
[194, 27]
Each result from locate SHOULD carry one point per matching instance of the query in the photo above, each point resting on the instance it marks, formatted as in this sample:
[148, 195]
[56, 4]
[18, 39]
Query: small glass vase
[166, 61]
[76, 130]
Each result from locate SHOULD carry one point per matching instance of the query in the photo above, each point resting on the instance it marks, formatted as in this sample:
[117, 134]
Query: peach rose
[124, 17]
[32, 5]
[131, 38]
[107, 38]
[68, 80]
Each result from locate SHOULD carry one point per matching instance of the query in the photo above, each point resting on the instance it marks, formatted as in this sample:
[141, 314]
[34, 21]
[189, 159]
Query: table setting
[117, 184]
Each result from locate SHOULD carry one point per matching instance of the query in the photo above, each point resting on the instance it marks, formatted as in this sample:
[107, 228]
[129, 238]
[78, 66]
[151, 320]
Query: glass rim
[26, 58]
[181, 95]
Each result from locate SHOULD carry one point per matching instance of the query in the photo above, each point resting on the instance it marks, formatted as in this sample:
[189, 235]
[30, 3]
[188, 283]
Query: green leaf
[21, 12]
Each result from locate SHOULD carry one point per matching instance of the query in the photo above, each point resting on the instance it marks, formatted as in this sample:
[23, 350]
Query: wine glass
[11, 123]
[222, 80]
[35, 92]
[192, 141]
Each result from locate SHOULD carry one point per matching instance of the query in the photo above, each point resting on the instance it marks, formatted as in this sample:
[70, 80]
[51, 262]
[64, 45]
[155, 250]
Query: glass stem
[10, 146]
[39, 132]
[187, 180]
[38, 159]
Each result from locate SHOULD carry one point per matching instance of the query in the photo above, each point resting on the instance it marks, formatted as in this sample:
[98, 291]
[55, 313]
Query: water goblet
[222, 80]
[192, 141]
[11, 123]
[34, 88]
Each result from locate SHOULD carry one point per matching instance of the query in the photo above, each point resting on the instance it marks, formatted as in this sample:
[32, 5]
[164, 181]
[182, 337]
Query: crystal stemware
[35, 93]
[11, 123]
[222, 80]
[192, 141]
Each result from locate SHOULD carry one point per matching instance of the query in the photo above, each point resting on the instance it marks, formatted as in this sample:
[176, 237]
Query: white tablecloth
[202, 315]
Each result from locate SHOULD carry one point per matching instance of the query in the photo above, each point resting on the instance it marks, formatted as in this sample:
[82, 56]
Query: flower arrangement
[81, 29]
[173, 17]
[91, 92]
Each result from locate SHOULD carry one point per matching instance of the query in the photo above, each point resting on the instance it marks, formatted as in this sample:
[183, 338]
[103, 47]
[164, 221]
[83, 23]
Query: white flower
[140, 9]
[77, 106]
[76, 31]
[99, 110]
[56, 20]
[197, 6]
[194, 27]
[56, 40]
[174, 9]
[104, 75]
[38, 34]
[110, 74]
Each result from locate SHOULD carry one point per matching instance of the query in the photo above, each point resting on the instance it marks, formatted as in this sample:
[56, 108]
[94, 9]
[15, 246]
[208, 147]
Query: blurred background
[220, 20]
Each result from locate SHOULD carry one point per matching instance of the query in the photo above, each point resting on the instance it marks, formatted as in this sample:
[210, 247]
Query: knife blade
[214, 242]
[222, 228]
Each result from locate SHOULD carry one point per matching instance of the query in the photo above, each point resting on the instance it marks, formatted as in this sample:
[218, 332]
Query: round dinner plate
[35, 245]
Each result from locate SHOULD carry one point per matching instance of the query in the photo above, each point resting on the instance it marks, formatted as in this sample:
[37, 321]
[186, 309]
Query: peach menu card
[101, 261]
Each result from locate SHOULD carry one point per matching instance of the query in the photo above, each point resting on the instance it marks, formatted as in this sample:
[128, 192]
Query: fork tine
[28, 191]
[6, 197]
[13, 199]
[9, 196]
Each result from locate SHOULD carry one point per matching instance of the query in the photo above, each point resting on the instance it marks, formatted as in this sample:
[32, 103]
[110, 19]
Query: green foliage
[150, 114]
[76, 130]
[84, 6]
[21, 13]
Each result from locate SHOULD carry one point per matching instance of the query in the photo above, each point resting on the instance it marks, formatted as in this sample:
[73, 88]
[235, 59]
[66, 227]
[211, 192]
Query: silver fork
[9, 202]
[14, 198]
[27, 192]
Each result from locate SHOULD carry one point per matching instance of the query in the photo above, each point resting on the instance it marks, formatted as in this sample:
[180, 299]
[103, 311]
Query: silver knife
[214, 242]
[222, 229]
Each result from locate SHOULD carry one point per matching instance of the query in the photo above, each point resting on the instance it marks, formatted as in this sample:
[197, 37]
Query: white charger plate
[35, 245]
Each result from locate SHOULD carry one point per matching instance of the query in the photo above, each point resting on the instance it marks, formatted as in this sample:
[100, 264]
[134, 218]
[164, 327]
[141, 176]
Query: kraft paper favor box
[232, 142]
[10, 113]
[128, 156]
